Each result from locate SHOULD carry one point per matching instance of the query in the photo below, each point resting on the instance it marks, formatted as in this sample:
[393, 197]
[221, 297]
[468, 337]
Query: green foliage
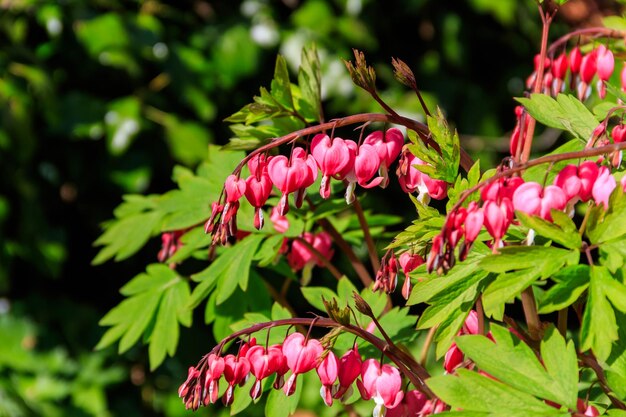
[518, 267]
[599, 327]
[563, 231]
[155, 308]
[445, 165]
[520, 380]
[450, 298]
[286, 106]
[177, 209]
[565, 113]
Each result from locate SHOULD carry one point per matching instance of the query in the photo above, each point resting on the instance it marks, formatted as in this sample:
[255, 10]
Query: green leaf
[561, 363]
[568, 238]
[157, 277]
[614, 22]
[238, 270]
[164, 338]
[229, 270]
[309, 81]
[314, 296]
[429, 286]
[119, 243]
[445, 166]
[191, 241]
[280, 405]
[609, 225]
[599, 328]
[476, 393]
[528, 264]
[505, 287]
[156, 304]
[566, 112]
[545, 259]
[514, 363]
[572, 281]
[281, 87]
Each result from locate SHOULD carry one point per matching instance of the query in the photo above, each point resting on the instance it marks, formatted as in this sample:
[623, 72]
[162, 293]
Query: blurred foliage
[100, 98]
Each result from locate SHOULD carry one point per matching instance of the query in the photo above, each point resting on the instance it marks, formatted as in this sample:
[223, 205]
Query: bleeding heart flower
[236, 370]
[235, 187]
[501, 188]
[258, 189]
[411, 179]
[588, 410]
[575, 59]
[533, 199]
[530, 81]
[349, 370]
[327, 371]
[577, 181]
[332, 157]
[588, 69]
[619, 133]
[388, 146]
[498, 217]
[215, 369]
[301, 255]
[302, 356]
[559, 71]
[263, 363]
[603, 187]
[409, 261]
[382, 383]
[605, 67]
[292, 175]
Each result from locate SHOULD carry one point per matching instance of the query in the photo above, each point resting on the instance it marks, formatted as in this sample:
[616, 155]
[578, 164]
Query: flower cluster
[365, 164]
[387, 275]
[299, 354]
[500, 198]
[582, 69]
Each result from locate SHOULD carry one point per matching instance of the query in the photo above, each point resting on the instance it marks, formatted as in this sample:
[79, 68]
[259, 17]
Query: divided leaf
[565, 112]
[512, 362]
[158, 297]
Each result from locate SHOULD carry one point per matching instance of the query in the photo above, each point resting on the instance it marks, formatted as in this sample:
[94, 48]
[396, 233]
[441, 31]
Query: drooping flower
[605, 67]
[559, 71]
[215, 369]
[327, 370]
[292, 175]
[533, 199]
[332, 157]
[349, 370]
[382, 383]
[388, 146]
[498, 217]
[236, 370]
[603, 187]
[263, 363]
[302, 356]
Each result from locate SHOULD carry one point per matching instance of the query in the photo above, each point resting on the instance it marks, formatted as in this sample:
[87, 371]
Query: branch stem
[416, 373]
[371, 247]
[358, 266]
[530, 313]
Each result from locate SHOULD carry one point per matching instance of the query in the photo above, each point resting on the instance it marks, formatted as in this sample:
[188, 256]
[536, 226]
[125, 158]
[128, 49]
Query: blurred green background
[99, 98]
